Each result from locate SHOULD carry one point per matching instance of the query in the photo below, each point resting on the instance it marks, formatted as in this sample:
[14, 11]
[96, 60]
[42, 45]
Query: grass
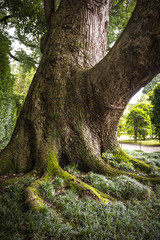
[151, 158]
[66, 215]
[147, 142]
[121, 187]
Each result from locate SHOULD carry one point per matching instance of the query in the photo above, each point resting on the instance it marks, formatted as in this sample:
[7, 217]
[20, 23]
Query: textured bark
[78, 94]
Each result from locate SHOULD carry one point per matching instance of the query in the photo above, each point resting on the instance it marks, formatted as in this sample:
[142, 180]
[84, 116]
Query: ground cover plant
[152, 158]
[132, 213]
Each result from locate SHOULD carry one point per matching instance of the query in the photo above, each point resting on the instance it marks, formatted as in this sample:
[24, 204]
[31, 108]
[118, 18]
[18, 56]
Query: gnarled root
[34, 199]
[99, 165]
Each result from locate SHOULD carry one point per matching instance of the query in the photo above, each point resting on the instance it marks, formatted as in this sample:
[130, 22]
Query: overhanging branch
[22, 60]
[14, 57]
[132, 62]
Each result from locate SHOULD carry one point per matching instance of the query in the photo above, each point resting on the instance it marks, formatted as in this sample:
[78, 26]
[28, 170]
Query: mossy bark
[78, 94]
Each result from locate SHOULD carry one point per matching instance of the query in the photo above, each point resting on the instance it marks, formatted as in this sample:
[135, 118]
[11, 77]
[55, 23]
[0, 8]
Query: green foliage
[138, 123]
[155, 118]
[17, 222]
[120, 220]
[119, 17]
[145, 107]
[152, 158]
[58, 182]
[25, 24]
[67, 215]
[28, 60]
[72, 169]
[143, 99]
[13, 91]
[28, 16]
[47, 190]
[120, 187]
[7, 104]
[149, 87]
[118, 161]
[121, 127]
[21, 85]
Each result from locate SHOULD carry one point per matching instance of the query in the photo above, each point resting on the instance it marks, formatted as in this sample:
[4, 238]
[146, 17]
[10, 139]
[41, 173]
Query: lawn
[147, 142]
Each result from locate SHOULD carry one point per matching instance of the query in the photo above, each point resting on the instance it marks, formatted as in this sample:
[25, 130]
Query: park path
[147, 149]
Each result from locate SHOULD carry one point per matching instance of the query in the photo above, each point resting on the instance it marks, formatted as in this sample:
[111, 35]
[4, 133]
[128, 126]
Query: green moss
[32, 194]
[138, 164]
[32, 199]
[122, 156]
[105, 168]
[52, 167]
[6, 166]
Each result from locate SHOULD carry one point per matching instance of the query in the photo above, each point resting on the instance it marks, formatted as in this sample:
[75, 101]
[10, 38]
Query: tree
[21, 84]
[119, 16]
[155, 117]
[138, 123]
[146, 107]
[121, 126]
[7, 103]
[25, 23]
[150, 86]
[78, 93]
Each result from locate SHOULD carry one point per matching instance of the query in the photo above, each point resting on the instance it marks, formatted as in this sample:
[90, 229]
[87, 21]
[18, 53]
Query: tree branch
[19, 60]
[12, 56]
[132, 62]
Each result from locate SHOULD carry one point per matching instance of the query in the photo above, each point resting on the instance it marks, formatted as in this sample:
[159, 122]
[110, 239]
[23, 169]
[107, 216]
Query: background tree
[25, 23]
[146, 107]
[22, 23]
[150, 86]
[119, 17]
[7, 103]
[121, 126]
[155, 117]
[138, 123]
[23, 78]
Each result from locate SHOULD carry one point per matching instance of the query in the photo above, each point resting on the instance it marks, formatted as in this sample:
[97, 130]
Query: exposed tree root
[138, 164]
[100, 166]
[107, 169]
[34, 199]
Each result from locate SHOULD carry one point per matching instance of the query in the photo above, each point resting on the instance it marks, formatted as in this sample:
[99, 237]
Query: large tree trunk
[78, 94]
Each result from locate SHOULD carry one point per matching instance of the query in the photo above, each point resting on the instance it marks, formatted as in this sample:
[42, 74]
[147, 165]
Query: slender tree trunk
[78, 94]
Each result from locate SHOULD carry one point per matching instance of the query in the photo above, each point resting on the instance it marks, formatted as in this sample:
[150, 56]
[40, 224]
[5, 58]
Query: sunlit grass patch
[120, 187]
[147, 142]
